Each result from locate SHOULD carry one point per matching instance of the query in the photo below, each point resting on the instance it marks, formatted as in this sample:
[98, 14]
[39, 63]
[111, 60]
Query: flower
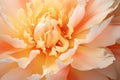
[46, 39]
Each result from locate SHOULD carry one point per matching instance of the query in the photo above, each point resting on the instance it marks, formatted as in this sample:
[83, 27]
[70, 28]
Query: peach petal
[94, 31]
[85, 75]
[60, 75]
[108, 37]
[96, 18]
[101, 5]
[5, 67]
[15, 42]
[12, 5]
[74, 19]
[97, 29]
[70, 52]
[15, 74]
[87, 58]
[24, 62]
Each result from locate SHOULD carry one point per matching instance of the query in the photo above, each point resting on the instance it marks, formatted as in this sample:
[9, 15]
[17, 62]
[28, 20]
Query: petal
[70, 52]
[87, 58]
[5, 67]
[97, 29]
[34, 77]
[96, 14]
[4, 29]
[109, 71]
[4, 46]
[93, 32]
[108, 37]
[85, 75]
[15, 42]
[60, 75]
[15, 74]
[74, 19]
[13, 5]
[23, 62]
[99, 6]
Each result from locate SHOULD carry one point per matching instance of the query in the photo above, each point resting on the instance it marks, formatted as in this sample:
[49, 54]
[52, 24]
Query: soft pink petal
[87, 58]
[108, 37]
[85, 75]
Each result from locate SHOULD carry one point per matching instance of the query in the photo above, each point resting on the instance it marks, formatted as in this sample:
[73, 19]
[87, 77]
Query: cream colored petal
[15, 74]
[87, 58]
[70, 52]
[15, 42]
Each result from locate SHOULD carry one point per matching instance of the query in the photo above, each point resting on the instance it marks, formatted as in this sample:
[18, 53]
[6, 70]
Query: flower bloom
[53, 39]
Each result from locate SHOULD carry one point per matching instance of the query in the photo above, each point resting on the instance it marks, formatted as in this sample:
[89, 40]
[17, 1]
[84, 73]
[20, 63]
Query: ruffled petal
[87, 58]
[85, 75]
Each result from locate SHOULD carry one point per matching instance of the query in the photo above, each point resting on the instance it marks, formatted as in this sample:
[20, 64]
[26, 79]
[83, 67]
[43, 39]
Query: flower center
[48, 35]
[45, 31]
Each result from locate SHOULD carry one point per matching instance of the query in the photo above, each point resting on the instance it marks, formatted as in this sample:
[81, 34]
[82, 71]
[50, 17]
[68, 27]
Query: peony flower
[59, 39]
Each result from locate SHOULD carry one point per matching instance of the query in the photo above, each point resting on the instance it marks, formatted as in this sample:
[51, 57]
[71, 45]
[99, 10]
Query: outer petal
[108, 37]
[85, 75]
[5, 67]
[87, 58]
[96, 12]
[12, 5]
[113, 70]
[15, 42]
[15, 74]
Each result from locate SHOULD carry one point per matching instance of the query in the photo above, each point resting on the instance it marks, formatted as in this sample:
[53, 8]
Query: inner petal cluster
[45, 32]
